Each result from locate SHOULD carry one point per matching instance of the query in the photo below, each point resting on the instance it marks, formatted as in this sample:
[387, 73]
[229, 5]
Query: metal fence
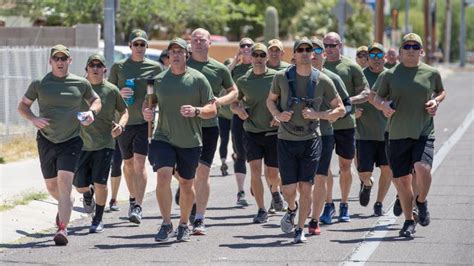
[19, 66]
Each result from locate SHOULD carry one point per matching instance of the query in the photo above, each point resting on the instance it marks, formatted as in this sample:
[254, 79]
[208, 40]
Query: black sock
[132, 201]
[99, 211]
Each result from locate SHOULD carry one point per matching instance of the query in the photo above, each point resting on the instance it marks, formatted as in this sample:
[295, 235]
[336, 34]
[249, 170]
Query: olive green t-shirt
[173, 91]
[224, 111]
[97, 135]
[240, 70]
[140, 71]
[324, 125]
[59, 100]
[282, 66]
[353, 78]
[389, 66]
[253, 91]
[371, 125]
[218, 76]
[324, 89]
[410, 88]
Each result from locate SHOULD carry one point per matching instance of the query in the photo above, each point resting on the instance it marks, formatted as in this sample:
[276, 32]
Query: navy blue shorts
[93, 167]
[210, 135]
[345, 143]
[370, 152]
[326, 154]
[58, 156]
[163, 154]
[116, 167]
[134, 140]
[404, 153]
[262, 146]
[298, 160]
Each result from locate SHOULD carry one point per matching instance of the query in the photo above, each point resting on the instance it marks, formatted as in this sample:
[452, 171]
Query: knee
[52, 186]
[186, 185]
[82, 190]
[422, 169]
[345, 165]
[100, 187]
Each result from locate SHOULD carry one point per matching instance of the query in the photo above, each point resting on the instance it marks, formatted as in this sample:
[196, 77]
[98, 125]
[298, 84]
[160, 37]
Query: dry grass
[18, 148]
[24, 199]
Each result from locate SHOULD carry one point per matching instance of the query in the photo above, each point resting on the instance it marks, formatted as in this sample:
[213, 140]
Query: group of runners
[285, 119]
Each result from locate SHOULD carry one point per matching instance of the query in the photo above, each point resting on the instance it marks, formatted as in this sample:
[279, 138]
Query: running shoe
[287, 223]
[136, 215]
[344, 213]
[408, 229]
[96, 227]
[192, 215]
[378, 209]
[423, 213]
[299, 236]
[397, 207]
[364, 193]
[165, 232]
[183, 233]
[278, 202]
[328, 213]
[261, 217]
[88, 200]
[313, 227]
[224, 169]
[199, 228]
[113, 205]
[241, 200]
[60, 238]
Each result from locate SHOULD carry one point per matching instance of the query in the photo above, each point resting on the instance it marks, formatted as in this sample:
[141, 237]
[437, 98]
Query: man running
[294, 100]
[275, 55]
[130, 76]
[361, 56]
[411, 103]
[391, 58]
[183, 97]
[59, 95]
[94, 161]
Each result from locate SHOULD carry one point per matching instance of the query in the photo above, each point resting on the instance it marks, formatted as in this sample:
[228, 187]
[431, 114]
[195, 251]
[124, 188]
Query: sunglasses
[318, 50]
[330, 45]
[62, 58]
[307, 49]
[246, 45]
[141, 44]
[415, 47]
[261, 55]
[361, 55]
[98, 65]
[376, 55]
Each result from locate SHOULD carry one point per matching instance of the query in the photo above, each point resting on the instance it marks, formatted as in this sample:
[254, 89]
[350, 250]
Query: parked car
[122, 52]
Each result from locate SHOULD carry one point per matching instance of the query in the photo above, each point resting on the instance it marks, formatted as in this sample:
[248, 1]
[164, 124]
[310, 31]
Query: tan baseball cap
[376, 45]
[97, 57]
[138, 35]
[275, 43]
[412, 37]
[362, 48]
[59, 48]
[259, 47]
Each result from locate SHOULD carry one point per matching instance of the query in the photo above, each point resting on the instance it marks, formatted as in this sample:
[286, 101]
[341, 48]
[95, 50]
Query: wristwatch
[197, 111]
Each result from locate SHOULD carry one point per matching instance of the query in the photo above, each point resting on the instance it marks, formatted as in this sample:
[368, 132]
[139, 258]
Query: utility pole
[462, 52]
[407, 11]
[434, 39]
[427, 28]
[109, 31]
[379, 21]
[447, 32]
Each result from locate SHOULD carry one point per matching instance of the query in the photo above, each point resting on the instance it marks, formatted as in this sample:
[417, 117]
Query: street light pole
[109, 31]
[462, 52]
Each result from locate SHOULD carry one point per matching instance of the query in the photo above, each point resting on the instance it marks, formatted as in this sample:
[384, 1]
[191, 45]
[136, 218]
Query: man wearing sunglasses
[275, 55]
[219, 77]
[391, 58]
[362, 57]
[371, 137]
[344, 129]
[260, 128]
[94, 161]
[411, 103]
[321, 186]
[184, 98]
[59, 95]
[134, 140]
[294, 101]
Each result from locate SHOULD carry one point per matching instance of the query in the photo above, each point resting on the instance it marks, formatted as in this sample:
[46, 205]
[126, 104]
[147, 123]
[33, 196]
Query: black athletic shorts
[345, 143]
[262, 146]
[370, 152]
[58, 156]
[93, 167]
[298, 160]
[404, 153]
[134, 140]
[163, 154]
[326, 154]
[116, 167]
[210, 135]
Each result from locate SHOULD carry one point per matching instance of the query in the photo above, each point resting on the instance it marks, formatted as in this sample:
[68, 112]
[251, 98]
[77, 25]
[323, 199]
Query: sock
[223, 160]
[199, 216]
[132, 201]
[99, 211]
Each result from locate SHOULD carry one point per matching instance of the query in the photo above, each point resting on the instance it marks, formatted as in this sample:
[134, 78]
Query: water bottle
[81, 116]
[130, 83]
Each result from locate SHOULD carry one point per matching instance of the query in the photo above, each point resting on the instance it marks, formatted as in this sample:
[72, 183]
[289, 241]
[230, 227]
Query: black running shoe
[408, 229]
[397, 207]
[423, 213]
[364, 194]
[378, 209]
[192, 216]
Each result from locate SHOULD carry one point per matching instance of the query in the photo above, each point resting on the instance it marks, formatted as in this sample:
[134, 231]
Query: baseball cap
[302, 41]
[246, 39]
[180, 42]
[376, 45]
[259, 47]
[412, 37]
[59, 48]
[97, 57]
[362, 48]
[318, 42]
[137, 35]
[275, 43]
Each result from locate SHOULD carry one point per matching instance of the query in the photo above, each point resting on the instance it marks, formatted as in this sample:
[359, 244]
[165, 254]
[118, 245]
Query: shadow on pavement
[274, 244]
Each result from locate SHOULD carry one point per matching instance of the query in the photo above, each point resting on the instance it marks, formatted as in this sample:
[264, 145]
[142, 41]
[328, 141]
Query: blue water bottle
[130, 83]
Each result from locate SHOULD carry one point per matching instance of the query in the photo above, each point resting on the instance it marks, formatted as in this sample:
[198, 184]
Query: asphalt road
[233, 239]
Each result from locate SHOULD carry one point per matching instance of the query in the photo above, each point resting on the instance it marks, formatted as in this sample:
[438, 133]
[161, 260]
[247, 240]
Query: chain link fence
[19, 66]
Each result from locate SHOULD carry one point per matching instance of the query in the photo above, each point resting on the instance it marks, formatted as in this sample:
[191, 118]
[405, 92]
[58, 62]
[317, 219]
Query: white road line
[371, 240]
